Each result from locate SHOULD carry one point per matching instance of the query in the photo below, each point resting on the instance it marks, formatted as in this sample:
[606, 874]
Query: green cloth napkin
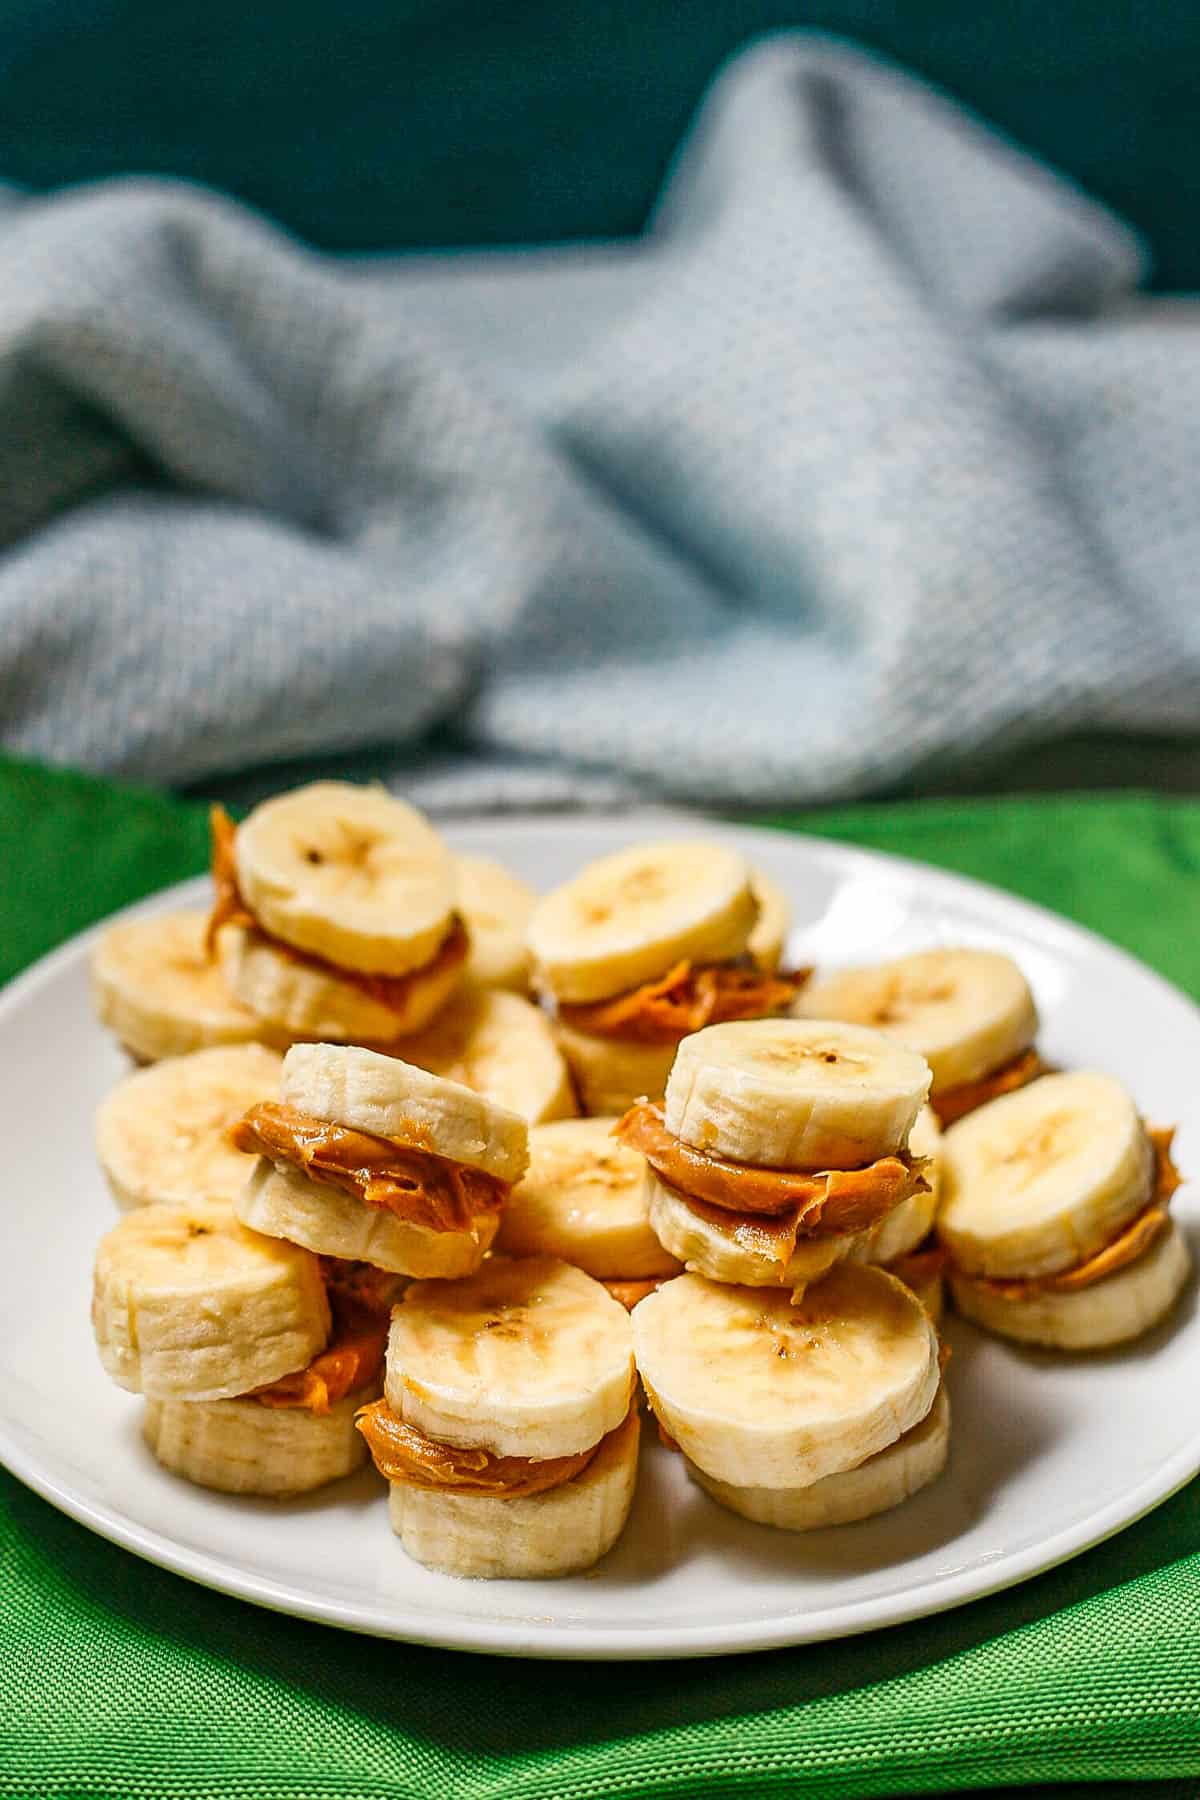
[119, 1680]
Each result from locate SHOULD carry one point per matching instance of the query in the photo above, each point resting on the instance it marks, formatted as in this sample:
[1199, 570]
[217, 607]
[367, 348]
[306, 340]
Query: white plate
[1049, 1455]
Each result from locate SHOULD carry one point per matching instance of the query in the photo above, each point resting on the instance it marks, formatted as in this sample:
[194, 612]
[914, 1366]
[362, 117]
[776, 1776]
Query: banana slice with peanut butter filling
[779, 1144]
[367, 1158]
[507, 1431]
[647, 945]
[335, 914]
[1056, 1218]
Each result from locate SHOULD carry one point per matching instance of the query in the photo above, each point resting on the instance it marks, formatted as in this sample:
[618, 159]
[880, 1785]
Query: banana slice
[925, 1140]
[497, 907]
[768, 940]
[793, 1094]
[299, 999]
[610, 1073]
[929, 1285]
[347, 873]
[908, 1224]
[189, 1305]
[161, 1135]
[155, 986]
[283, 1203]
[968, 1012]
[500, 1046]
[885, 1480]
[701, 1244]
[529, 1357]
[559, 1532]
[240, 1447]
[1043, 1178]
[1121, 1306]
[393, 1099]
[761, 1392]
[628, 917]
[583, 1200]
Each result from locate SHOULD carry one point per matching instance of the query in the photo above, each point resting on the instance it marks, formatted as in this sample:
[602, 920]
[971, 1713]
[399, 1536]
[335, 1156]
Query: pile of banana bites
[422, 1170]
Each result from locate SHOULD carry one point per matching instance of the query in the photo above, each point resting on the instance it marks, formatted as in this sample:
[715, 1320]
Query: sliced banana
[529, 1357]
[303, 1000]
[925, 1140]
[1111, 1311]
[883, 1481]
[283, 1203]
[161, 1135]
[500, 1046]
[627, 918]
[768, 940]
[1043, 1178]
[497, 907]
[559, 1532]
[610, 1073]
[240, 1447]
[928, 1284]
[906, 1226]
[155, 986]
[189, 1305]
[794, 1094]
[759, 1391]
[968, 1012]
[392, 1099]
[707, 1245]
[351, 874]
[583, 1200]
[910, 1223]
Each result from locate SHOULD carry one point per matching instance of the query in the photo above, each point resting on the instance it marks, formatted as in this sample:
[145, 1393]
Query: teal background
[375, 124]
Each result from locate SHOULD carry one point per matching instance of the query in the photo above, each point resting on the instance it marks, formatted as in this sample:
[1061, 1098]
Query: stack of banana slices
[336, 914]
[252, 1355]
[369, 1159]
[1056, 1220]
[507, 1431]
[783, 1147]
[798, 1413]
[650, 944]
[802, 1383]
[362, 1214]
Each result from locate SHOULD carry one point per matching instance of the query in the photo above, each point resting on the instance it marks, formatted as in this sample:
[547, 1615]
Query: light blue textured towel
[859, 461]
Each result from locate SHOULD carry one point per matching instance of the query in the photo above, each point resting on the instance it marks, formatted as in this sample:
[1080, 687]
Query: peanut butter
[957, 1102]
[402, 1453]
[628, 1293]
[688, 997]
[360, 1300]
[774, 1206]
[415, 1184]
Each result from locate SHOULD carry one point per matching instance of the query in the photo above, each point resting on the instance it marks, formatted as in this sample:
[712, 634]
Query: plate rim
[511, 1637]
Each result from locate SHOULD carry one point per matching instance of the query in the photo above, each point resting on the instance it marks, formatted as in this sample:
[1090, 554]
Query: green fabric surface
[121, 1681]
[427, 122]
